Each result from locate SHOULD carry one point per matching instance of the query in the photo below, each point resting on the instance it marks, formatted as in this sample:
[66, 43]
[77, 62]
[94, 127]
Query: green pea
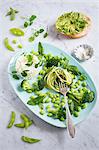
[76, 114]
[41, 106]
[12, 119]
[14, 41]
[49, 114]
[48, 107]
[57, 99]
[45, 68]
[39, 77]
[57, 95]
[62, 104]
[83, 106]
[78, 109]
[84, 89]
[29, 140]
[7, 45]
[56, 105]
[54, 111]
[53, 100]
[42, 112]
[76, 85]
[17, 31]
[49, 110]
[20, 46]
[84, 84]
[78, 82]
[73, 86]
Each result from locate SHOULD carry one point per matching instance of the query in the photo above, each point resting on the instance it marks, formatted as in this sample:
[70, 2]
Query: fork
[70, 126]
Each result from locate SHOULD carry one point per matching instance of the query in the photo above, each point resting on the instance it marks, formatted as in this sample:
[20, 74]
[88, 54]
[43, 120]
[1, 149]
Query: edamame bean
[61, 119]
[17, 31]
[7, 45]
[56, 105]
[29, 140]
[49, 114]
[42, 112]
[12, 119]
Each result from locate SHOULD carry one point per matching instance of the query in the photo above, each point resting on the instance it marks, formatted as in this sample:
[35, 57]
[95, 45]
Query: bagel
[73, 24]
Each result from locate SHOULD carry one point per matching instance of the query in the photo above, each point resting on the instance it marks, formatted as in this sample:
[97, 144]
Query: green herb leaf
[40, 49]
[32, 18]
[12, 13]
[15, 76]
[45, 34]
[41, 30]
[24, 73]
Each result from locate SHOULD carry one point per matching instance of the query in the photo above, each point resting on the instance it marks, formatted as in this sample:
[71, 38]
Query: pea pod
[7, 45]
[17, 31]
[22, 125]
[26, 120]
[12, 120]
[29, 140]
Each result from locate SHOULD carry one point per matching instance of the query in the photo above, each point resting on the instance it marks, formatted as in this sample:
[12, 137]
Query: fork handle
[69, 122]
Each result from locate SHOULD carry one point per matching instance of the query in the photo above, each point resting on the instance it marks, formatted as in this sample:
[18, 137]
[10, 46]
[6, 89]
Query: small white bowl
[83, 52]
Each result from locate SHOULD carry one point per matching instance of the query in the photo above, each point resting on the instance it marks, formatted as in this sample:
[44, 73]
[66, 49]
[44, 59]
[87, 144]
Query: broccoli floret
[25, 85]
[41, 84]
[52, 62]
[73, 69]
[88, 97]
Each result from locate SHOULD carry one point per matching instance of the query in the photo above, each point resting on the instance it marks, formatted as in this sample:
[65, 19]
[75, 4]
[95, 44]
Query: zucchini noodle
[57, 75]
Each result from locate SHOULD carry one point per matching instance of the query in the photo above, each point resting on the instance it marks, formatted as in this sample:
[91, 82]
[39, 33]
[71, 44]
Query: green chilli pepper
[17, 31]
[12, 120]
[29, 140]
[26, 120]
[22, 125]
[7, 45]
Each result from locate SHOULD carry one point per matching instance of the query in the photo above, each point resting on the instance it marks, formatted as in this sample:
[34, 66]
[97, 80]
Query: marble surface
[87, 137]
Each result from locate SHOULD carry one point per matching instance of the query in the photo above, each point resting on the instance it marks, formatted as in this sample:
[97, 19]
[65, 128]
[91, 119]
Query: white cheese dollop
[21, 66]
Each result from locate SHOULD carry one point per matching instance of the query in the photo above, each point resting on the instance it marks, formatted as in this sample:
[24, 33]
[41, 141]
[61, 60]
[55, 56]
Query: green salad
[49, 71]
[71, 23]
